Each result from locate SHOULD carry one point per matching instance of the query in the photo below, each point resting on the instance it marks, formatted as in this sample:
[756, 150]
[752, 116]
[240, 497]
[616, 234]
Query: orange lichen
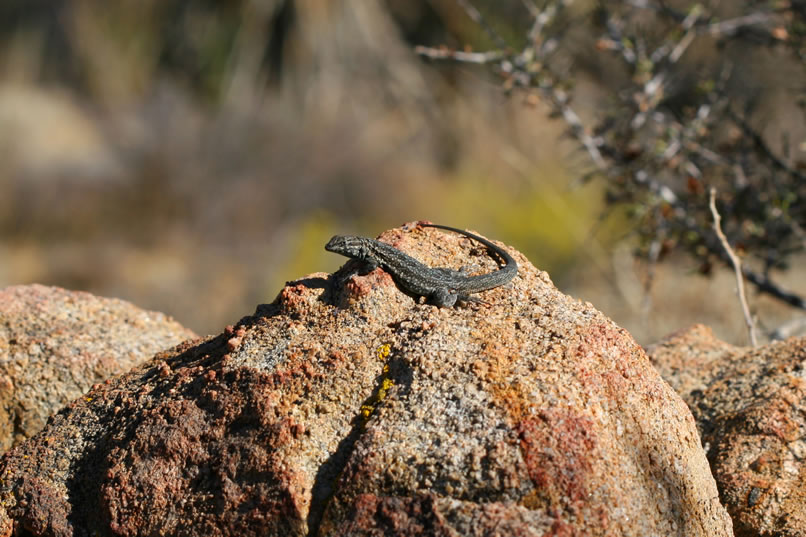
[386, 384]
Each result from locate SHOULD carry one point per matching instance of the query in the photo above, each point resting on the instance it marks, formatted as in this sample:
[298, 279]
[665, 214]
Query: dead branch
[737, 269]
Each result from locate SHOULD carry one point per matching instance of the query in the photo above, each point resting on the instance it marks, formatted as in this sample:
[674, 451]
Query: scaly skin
[444, 287]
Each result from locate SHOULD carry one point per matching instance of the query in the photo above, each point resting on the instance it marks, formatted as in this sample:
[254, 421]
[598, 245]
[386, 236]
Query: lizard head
[346, 245]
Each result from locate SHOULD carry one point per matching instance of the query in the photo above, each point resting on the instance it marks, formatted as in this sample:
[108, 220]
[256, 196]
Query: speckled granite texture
[750, 405]
[55, 344]
[347, 408]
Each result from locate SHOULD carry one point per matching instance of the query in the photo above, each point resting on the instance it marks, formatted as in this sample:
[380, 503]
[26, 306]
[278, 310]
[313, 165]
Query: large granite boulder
[347, 407]
[55, 344]
[750, 406]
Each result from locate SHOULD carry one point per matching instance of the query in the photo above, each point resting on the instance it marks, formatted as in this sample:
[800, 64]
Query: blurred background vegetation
[193, 156]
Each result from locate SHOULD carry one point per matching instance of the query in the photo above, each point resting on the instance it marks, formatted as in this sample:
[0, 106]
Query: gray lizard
[443, 287]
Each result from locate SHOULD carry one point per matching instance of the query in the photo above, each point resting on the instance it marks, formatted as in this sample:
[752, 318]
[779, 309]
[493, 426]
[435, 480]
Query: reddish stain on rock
[216, 452]
[558, 449]
[362, 285]
[398, 516]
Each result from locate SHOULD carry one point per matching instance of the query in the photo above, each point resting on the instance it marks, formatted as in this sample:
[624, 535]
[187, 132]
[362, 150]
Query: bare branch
[737, 268]
[578, 129]
[460, 55]
[764, 284]
[542, 18]
[777, 161]
[731, 26]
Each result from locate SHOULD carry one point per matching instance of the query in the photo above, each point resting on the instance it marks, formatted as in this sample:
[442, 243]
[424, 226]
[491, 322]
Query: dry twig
[737, 269]
[460, 55]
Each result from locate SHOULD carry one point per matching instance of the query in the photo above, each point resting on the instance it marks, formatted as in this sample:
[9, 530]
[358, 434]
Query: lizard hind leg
[443, 297]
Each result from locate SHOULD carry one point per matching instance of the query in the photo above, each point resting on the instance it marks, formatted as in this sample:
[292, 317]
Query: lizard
[443, 287]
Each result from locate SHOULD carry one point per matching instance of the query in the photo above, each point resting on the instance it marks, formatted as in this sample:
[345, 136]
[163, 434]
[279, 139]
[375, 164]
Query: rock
[346, 407]
[689, 360]
[750, 406]
[55, 344]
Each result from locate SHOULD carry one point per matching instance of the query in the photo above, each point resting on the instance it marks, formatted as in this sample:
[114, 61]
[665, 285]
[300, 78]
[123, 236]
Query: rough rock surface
[750, 406]
[55, 344]
[347, 408]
